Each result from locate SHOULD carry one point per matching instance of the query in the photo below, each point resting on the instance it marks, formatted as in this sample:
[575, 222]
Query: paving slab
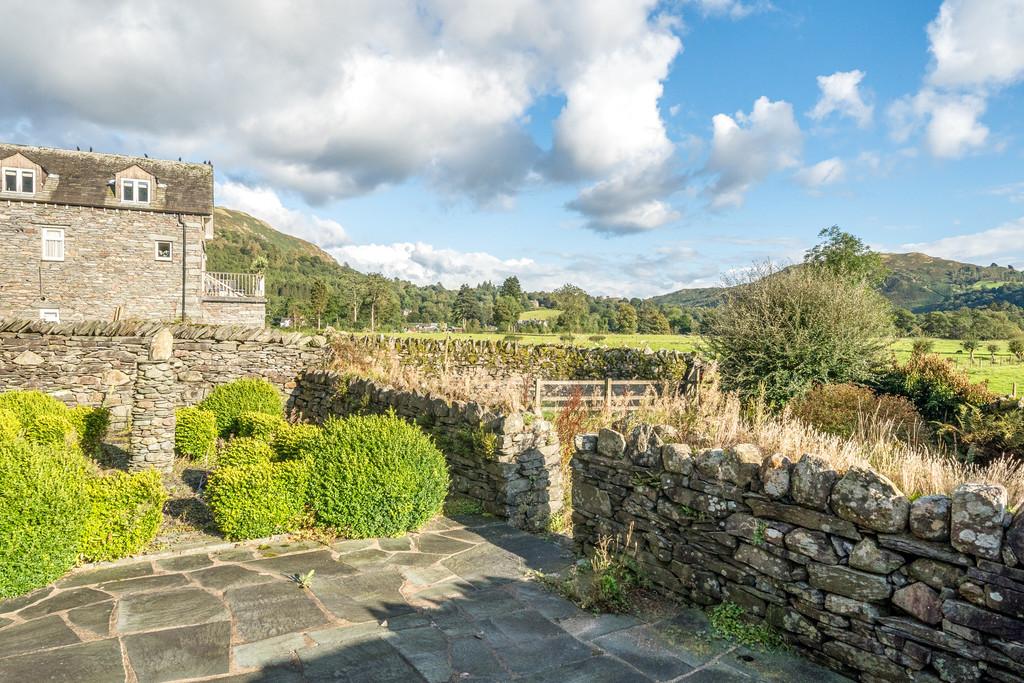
[39, 634]
[144, 584]
[94, 618]
[103, 574]
[594, 670]
[270, 652]
[64, 600]
[188, 652]
[167, 609]
[641, 648]
[185, 563]
[272, 610]
[486, 563]
[14, 604]
[98, 661]
[436, 544]
[227, 576]
[291, 565]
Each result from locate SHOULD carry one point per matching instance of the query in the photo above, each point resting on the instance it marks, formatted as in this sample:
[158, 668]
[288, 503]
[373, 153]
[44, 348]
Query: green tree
[511, 287]
[970, 346]
[381, 300]
[574, 304]
[625, 318]
[319, 297]
[781, 331]
[652, 321]
[847, 256]
[1016, 347]
[506, 312]
[920, 347]
[992, 349]
[467, 308]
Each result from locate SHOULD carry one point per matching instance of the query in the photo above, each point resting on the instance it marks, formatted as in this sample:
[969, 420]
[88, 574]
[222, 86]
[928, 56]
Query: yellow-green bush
[230, 400]
[125, 512]
[295, 441]
[10, 428]
[51, 429]
[43, 508]
[259, 425]
[259, 499]
[28, 405]
[376, 475]
[195, 432]
[243, 451]
[92, 425]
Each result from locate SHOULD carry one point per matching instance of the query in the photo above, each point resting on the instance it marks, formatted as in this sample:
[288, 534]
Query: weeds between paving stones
[304, 580]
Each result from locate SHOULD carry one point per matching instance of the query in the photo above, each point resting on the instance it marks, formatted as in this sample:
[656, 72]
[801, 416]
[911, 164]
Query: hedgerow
[195, 432]
[295, 441]
[258, 499]
[243, 451]
[230, 400]
[259, 425]
[43, 509]
[125, 512]
[376, 476]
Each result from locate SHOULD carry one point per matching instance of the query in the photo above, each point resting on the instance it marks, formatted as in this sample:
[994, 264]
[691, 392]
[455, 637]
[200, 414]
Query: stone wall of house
[491, 360]
[250, 313]
[109, 265]
[509, 463]
[852, 572]
[107, 365]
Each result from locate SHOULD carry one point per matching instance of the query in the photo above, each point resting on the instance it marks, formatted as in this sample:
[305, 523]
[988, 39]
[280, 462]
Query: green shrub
[259, 425]
[243, 451]
[259, 499]
[230, 400]
[124, 515]
[28, 405]
[92, 425]
[195, 432]
[293, 442]
[52, 429]
[10, 428]
[376, 475]
[849, 409]
[939, 389]
[43, 506]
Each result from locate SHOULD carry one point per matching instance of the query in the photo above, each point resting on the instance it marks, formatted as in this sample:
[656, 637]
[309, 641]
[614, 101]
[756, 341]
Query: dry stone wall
[509, 463]
[856, 575]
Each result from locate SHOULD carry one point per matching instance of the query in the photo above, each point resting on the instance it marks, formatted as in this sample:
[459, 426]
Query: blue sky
[627, 146]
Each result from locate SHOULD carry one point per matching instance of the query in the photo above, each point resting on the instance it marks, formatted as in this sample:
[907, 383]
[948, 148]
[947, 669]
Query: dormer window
[19, 180]
[135, 191]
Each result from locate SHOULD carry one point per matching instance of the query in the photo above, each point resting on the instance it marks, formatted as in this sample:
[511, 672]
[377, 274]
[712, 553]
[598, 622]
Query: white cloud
[340, 99]
[747, 148]
[840, 93]
[976, 49]
[734, 9]
[1003, 243]
[263, 203]
[1012, 191]
[822, 173]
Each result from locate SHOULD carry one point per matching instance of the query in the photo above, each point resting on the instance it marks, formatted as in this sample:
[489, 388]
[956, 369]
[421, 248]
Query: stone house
[88, 236]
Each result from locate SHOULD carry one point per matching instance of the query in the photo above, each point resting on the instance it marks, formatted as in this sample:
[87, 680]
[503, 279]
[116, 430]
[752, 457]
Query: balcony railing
[233, 285]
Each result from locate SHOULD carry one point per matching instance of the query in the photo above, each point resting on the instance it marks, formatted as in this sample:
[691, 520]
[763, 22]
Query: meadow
[1001, 375]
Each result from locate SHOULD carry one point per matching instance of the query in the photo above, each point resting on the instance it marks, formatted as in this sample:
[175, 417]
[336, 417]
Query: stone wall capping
[851, 572]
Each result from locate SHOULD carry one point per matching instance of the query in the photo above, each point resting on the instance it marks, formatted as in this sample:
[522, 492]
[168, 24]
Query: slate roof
[84, 180]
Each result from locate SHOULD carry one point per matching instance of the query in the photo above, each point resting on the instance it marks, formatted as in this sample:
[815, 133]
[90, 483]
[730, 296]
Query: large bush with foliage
[10, 427]
[939, 389]
[43, 510]
[782, 331]
[295, 441]
[849, 409]
[125, 512]
[195, 432]
[376, 475]
[258, 499]
[92, 425]
[31, 404]
[229, 401]
[243, 451]
[259, 425]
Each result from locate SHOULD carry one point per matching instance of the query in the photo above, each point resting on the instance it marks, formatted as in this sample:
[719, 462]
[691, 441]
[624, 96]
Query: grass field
[540, 314]
[1000, 375]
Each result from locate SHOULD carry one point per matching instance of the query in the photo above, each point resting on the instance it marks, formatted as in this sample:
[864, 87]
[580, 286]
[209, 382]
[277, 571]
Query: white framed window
[163, 250]
[53, 244]
[19, 180]
[49, 315]
[135, 191]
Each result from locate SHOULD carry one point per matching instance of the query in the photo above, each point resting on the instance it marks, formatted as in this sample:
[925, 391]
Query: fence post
[608, 394]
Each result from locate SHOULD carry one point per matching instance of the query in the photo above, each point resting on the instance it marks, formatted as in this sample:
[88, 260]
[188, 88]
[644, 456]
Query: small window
[163, 250]
[135, 191]
[53, 244]
[20, 180]
[49, 315]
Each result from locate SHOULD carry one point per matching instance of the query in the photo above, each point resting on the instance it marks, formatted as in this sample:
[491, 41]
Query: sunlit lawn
[1000, 376]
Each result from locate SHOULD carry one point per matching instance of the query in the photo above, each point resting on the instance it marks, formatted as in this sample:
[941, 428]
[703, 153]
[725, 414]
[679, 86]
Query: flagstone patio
[451, 603]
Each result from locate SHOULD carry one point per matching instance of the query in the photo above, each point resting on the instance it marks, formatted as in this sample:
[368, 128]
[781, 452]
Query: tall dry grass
[714, 418]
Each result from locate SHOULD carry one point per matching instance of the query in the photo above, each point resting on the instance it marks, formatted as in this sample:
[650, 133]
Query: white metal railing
[233, 285]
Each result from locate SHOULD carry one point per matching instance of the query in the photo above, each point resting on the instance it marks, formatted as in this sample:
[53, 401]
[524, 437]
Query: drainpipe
[184, 264]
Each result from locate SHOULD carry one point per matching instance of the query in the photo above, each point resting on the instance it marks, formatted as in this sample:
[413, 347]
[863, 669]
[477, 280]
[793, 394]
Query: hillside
[916, 281]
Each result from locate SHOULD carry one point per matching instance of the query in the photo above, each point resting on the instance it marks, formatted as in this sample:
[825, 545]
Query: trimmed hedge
[258, 499]
[28, 405]
[295, 441]
[51, 429]
[376, 475]
[125, 514]
[195, 432]
[43, 509]
[10, 428]
[259, 425]
[230, 400]
[243, 451]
